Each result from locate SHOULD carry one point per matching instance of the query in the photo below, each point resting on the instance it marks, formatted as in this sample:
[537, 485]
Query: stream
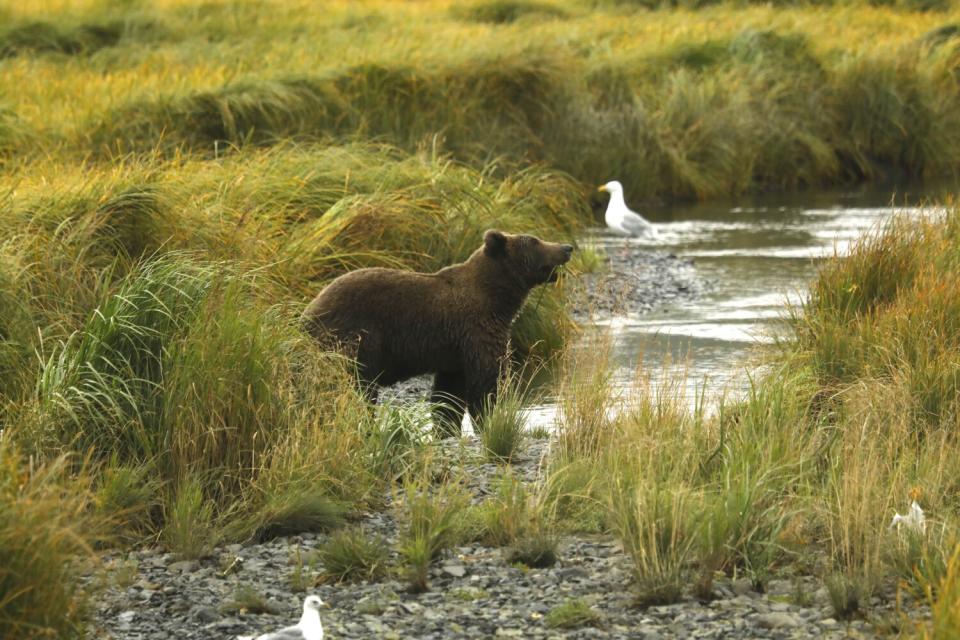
[754, 257]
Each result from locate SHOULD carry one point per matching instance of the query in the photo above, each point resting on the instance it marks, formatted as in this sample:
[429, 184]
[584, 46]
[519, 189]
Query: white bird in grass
[309, 627]
[619, 218]
[915, 520]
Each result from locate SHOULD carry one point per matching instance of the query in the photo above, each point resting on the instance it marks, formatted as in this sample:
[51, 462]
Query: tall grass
[651, 521]
[586, 396]
[502, 431]
[820, 451]
[688, 495]
[878, 334]
[943, 595]
[755, 112]
[693, 104]
[47, 529]
[40, 36]
[177, 352]
[100, 389]
[185, 370]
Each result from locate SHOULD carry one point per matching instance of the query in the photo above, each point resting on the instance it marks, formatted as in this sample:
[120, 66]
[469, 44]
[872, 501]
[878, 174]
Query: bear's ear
[494, 243]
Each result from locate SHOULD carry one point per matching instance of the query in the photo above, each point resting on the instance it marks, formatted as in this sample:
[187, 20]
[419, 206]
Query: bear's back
[358, 300]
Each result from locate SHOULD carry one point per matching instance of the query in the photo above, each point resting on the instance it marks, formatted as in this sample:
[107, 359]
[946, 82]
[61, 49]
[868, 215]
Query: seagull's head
[611, 187]
[313, 603]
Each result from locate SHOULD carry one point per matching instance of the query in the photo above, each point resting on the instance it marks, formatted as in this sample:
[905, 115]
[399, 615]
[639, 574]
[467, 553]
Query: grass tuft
[651, 524]
[190, 529]
[293, 510]
[571, 614]
[36, 37]
[535, 547]
[508, 11]
[130, 498]
[503, 429]
[431, 524]
[46, 531]
[247, 599]
[397, 439]
[351, 554]
[846, 595]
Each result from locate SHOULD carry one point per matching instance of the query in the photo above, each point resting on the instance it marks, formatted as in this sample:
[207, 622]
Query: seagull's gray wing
[288, 633]
[636, 225]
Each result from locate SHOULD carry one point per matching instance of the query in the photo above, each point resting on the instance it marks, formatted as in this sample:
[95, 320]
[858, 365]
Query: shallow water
[755, 256]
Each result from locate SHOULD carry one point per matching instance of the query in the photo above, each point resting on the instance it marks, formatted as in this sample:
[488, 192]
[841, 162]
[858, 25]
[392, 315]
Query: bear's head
[531, 260]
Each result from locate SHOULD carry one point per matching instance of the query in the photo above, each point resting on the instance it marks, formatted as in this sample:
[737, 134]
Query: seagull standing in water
[620, 219]
[309, 627]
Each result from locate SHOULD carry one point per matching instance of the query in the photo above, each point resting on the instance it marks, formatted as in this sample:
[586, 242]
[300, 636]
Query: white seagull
[309, 627]
[619, 218]
[915, 520]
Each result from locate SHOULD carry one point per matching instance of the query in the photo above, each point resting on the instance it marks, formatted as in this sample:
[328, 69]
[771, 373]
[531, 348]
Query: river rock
[777, 620]
[206, 614]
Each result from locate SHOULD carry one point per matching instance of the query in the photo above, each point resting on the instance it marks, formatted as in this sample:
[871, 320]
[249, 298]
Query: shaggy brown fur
[454, 323]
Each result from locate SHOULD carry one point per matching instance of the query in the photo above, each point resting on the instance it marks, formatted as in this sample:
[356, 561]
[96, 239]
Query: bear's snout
[559, 256]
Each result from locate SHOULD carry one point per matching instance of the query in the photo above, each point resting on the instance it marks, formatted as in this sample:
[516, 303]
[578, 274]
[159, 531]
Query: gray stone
[455, 570]
[206, 614]
[777, 620]
[572, 573]
[411, 607]
[741, 587]
[780, 588]
[371, 606]
[183, 566]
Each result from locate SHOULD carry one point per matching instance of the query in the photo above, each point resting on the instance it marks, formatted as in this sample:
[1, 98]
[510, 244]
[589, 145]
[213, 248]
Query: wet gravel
[635, 279]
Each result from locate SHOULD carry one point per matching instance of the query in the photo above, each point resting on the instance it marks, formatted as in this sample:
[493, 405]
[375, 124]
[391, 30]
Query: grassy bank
[685, 103]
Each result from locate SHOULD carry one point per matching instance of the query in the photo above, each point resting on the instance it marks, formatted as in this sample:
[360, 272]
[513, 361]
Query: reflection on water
[756, 258]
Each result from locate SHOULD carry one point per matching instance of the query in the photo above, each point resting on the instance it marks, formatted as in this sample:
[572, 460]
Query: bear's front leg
[448, 399]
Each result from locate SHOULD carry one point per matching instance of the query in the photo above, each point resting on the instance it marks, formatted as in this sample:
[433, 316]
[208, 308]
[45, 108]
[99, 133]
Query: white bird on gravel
[309, 627]
[620, 219]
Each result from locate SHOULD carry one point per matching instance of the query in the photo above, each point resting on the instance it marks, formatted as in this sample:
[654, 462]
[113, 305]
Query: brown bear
[454, 323]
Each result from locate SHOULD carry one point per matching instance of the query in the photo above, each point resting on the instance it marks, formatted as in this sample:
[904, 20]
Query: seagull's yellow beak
[602, 187]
